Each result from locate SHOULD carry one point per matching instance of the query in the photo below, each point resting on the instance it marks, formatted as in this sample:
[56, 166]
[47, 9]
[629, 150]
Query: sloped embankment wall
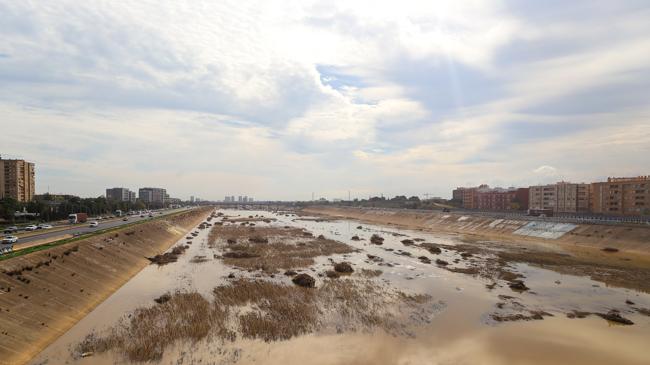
[43, 294]
[634, 239]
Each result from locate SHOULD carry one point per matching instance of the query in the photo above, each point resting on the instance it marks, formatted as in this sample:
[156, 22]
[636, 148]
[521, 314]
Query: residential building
[470, 196]
[120, 194]
[573, 198]
[154, 196]
[17, 180]
[457, 195]
[542, 197]
[485, 198]
[503, 199]
[174, 201]
[621, 196]
[562, 197]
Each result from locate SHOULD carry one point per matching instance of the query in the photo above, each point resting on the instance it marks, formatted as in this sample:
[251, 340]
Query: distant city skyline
[283, 100]
[236, 198]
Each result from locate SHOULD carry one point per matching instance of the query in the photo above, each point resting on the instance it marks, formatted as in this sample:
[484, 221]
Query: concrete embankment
[630, 239]
[44, 293]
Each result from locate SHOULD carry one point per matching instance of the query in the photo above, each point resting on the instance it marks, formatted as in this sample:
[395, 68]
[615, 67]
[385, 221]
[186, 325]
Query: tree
[8, 206]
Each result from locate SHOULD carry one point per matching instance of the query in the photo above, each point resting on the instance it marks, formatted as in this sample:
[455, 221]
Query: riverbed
[471, 319]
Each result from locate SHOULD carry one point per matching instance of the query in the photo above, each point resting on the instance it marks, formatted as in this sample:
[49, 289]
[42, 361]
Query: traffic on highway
[13, 239]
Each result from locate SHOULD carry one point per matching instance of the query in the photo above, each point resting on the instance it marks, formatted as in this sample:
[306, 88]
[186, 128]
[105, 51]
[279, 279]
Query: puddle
[462, 332]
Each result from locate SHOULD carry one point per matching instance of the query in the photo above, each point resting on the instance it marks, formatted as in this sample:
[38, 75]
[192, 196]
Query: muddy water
[461, 333]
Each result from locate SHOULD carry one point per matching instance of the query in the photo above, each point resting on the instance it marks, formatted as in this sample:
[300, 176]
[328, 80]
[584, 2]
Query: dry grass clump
[370, 273]
[353, 305]
[280, 312]
[185, 316]
[199, 259]
[168, 257]
[241, 234]
[271, 249]
[343, 267]
[260, 309]
[274, 257]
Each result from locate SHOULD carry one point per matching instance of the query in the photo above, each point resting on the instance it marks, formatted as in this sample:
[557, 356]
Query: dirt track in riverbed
[45, 293]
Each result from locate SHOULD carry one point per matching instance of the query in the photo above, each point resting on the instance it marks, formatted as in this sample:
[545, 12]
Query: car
[125, 219]
[10, 230]
[31, 227]
[141, 215]
[9, 239]
[94, 224]
[44, 226]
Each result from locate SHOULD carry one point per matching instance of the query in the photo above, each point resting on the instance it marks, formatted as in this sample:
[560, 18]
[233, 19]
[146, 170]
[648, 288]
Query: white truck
[77, 218]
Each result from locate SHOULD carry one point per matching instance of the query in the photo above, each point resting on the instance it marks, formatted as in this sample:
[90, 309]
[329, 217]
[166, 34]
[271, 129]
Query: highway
[85, 228]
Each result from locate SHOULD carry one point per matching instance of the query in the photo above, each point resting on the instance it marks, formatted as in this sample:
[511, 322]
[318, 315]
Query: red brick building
[499, 199]
[485, 198]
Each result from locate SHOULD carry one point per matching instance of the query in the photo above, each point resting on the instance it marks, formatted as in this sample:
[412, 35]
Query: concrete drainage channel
[236, 272]
[49, 289]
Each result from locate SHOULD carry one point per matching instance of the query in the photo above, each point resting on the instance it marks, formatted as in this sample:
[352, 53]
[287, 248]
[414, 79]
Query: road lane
[84, 228]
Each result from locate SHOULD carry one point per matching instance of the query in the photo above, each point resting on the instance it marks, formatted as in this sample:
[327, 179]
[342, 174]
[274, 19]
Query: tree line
[57, 207]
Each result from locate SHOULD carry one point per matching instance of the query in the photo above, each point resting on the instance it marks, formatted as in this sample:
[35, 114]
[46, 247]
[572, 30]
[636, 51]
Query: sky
[282, 99]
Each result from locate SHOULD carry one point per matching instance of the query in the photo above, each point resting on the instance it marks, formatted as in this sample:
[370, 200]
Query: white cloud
[546, 171]
[281, 98]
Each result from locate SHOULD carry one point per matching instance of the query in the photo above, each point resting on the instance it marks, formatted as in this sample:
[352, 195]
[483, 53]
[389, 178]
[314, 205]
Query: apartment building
[562, 197]
[621, 196]
[542, 197]
[503, 199]
[573, 198]
[485, 198]
[152, 195]
[457, 195]
[120, 194]
[470, 195]
[17, 180]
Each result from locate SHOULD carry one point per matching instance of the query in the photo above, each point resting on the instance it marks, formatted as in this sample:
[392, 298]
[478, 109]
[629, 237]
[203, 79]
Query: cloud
[284, 98]
[546, 171]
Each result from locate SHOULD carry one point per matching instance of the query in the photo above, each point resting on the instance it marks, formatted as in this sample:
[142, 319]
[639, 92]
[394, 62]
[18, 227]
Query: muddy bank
[618, 256]
[273, 293]
[45, 293]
